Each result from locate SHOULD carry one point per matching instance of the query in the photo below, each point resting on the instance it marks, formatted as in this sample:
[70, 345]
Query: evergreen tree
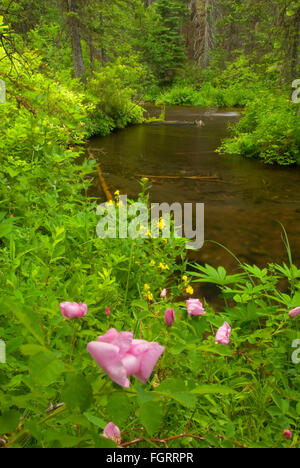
[165, 48]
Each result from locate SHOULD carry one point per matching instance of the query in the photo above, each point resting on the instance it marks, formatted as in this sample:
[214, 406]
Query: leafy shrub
[112, 91]
[39, 111]
[234, 86]
[206, 95]
[270, 130]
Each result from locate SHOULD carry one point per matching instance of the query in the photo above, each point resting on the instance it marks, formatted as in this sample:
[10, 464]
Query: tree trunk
[296, 46]
[148, 2]
[209, 37]
[195, 30]
[74, 30]
[202, 30]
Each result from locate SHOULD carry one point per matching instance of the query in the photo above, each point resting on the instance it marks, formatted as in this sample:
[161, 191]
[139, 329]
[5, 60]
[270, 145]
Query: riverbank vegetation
[174, 52]
[225, 377]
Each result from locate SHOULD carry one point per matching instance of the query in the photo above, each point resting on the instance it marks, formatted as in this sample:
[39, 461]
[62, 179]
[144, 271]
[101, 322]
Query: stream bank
[244, 199]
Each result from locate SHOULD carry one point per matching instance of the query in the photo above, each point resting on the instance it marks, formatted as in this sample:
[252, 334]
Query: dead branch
[180, 436]
[23, 102]
[54, 407]
[16, 83]
[101, 178]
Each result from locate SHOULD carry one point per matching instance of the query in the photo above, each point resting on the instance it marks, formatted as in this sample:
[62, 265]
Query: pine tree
[165, 50]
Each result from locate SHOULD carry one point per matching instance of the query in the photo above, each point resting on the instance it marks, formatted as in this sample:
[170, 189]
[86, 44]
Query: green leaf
[45, 369]
[176, 390]
[62, 439]
[32, 349]
[5, 228]
[282, 404]
[144, 396]
[29, 321]
[118, 408]
[151, 416]
[102, 442]
[9, 421]
[77, 392]
[35, 430]
[212, 389]
[216, 349]
[95, 420]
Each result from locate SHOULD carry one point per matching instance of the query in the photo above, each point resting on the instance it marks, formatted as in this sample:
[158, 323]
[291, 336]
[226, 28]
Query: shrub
[269, 131]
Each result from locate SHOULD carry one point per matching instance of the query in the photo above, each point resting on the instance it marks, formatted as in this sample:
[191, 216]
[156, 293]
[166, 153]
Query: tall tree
[195, 30]
[73, 22]
[211, 16]
[164, 49]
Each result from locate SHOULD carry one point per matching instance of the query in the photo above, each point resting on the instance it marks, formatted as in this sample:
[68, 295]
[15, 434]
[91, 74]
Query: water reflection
[242, 202]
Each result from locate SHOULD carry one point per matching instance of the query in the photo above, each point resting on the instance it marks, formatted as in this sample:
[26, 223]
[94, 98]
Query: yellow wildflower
[117, 193]
[150, 296]
[184, 278]
[161, 223]
[152, 263]
[163, 267]
[189, 290]
[146, 286]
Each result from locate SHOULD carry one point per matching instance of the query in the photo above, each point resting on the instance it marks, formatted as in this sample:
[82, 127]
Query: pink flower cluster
[120, 356]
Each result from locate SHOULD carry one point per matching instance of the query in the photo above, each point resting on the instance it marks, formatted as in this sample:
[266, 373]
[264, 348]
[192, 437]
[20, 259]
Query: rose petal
[108, 358]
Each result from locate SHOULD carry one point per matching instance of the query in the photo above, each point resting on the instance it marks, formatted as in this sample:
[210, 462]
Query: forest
[138, 341]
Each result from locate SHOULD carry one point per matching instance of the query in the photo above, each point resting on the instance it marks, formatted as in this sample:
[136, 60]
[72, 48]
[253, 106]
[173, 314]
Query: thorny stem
[73, 339]
[167, 439]
[129, 272]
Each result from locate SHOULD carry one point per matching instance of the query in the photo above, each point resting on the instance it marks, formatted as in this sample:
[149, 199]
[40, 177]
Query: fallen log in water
[173, 122]
[101, 178]
[213, 177]
[99, 150]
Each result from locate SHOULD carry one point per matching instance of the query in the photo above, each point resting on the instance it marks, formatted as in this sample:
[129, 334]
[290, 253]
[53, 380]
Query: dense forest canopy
[206, 53]
[162, 35]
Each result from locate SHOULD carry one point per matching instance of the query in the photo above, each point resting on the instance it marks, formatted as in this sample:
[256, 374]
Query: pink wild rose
[112, 432]
[293, 313]
[72, 310]
[169, 317]
[223, 334]
[287, 434]
[120, 356]
[163, 294]
[195, 307]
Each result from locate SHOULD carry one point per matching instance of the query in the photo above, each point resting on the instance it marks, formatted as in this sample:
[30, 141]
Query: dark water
[242, 204]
